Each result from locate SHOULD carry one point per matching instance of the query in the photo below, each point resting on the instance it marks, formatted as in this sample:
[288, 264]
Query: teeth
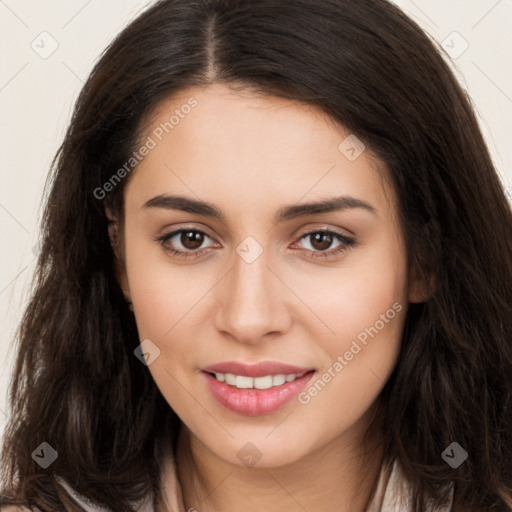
[242, 382]
[266, 382]
[230, 379]
[278, 380]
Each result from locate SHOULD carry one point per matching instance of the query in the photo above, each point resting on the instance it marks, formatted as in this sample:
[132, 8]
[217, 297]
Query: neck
[334, 477]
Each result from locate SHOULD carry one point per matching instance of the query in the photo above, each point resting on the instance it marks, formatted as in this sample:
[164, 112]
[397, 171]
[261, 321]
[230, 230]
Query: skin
[249, 156]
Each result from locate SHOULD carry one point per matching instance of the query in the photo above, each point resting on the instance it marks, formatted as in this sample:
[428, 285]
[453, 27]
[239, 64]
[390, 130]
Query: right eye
[189, 239]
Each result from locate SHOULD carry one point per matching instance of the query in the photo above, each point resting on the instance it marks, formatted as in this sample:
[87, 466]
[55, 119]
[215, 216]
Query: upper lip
[256, 370]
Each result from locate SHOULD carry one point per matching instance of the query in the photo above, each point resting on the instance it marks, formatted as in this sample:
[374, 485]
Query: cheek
[167, 305]
[365, 307]
[349, 384]
[163, 293]
[363, 295]
[361, 305]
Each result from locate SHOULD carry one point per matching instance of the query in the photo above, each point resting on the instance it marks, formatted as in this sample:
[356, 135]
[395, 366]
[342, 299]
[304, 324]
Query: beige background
[37, 92]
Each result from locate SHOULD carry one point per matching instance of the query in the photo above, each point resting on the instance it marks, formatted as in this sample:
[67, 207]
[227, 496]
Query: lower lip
[255, 402]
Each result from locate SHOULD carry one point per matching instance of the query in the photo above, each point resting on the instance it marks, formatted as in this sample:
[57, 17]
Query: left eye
[192, 239]
[322, 240]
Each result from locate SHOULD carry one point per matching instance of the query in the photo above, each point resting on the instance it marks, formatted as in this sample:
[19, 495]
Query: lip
[256, 402]
[256, 370]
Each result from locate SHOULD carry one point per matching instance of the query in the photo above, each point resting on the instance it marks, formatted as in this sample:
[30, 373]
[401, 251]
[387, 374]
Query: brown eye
[184, 242]
[191, 239]
[321, 241]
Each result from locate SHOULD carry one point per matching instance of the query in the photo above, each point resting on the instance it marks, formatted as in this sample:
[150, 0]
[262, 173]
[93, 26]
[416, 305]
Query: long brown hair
[77, 384]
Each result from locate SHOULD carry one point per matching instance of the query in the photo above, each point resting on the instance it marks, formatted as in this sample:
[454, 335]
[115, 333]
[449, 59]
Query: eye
[321, 240]
[189, 239]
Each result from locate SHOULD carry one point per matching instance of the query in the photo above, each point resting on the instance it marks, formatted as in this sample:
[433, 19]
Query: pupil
[191, 239]
[326, 243]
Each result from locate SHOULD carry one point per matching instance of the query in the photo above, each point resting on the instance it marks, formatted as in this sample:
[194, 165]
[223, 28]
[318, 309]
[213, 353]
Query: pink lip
[256, 370]
[255, 402]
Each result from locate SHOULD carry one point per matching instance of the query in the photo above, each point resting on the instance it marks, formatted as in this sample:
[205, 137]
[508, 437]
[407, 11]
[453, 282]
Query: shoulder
[395, 493]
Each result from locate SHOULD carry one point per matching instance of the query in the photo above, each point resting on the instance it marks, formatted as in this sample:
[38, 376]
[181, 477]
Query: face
[257, 277]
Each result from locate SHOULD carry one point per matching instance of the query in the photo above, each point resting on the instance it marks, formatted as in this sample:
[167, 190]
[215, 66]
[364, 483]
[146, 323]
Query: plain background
[38, 90]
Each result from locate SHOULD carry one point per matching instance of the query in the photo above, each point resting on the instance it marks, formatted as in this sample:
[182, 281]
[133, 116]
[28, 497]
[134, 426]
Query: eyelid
[171, 230]
[322, 226]
[346, 242]
[325, 230]
[297, 234]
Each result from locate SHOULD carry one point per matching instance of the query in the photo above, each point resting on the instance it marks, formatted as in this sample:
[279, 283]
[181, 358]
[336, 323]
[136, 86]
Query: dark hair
[77, 384]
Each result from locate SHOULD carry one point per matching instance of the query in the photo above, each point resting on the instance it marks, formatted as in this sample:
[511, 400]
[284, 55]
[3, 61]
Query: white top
[391, 500]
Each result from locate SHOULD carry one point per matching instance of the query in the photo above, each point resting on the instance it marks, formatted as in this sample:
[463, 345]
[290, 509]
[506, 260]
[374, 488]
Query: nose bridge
[250, 276]
[252, 297]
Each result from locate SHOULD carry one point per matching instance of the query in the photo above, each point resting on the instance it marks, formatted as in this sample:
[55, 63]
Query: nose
[252, 301]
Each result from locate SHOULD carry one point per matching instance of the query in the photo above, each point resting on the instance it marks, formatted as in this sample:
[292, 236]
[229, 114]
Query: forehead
[253, 149]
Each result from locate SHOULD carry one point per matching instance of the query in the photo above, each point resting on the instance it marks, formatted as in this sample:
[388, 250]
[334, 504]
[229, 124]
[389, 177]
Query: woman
[275, 273]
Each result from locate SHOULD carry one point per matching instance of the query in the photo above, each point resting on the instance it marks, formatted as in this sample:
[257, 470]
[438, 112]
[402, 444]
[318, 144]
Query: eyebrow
[335, 204]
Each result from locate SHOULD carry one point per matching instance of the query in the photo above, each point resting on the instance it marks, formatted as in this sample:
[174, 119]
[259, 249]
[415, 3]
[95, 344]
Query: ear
[116, 242]
[422, 285]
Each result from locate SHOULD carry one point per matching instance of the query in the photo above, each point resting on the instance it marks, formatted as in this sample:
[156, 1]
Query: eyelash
[345, 243]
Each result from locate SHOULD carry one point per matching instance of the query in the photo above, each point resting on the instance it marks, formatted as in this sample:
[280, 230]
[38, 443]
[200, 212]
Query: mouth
[259, 395]
[265, 382]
